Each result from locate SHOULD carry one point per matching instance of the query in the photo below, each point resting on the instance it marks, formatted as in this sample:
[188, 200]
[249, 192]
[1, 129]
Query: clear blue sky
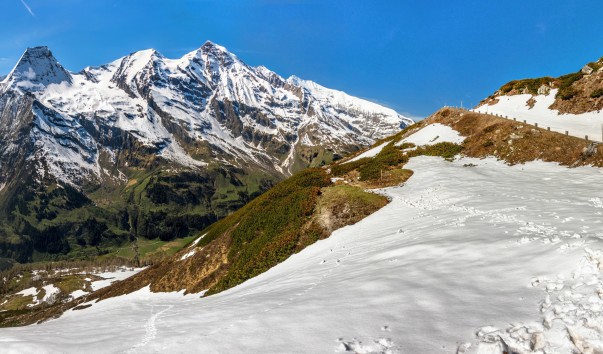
[413, 56]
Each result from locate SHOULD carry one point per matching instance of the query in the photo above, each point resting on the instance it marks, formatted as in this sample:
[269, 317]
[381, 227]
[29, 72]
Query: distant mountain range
[153, 147]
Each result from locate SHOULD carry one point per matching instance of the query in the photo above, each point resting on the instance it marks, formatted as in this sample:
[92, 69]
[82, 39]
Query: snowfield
[478, 259]
[577, 125]
[111, 277]
[428, 135]
[433, 134]
[369, 153]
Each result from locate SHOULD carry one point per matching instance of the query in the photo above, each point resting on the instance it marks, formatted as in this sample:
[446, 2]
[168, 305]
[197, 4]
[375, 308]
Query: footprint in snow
[379, 345]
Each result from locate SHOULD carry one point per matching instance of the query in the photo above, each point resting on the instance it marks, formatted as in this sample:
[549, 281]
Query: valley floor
[509, 253]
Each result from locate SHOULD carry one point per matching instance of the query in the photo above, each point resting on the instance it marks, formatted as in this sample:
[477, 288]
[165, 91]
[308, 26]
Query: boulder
[587, 70]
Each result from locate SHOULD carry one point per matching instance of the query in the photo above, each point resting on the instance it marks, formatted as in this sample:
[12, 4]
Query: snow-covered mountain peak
[134, 63]
[294, 80]
[264, 71]
[270, 76]
[214, 52]
[134, 71]
[36, 69]
[172, 107]
[211, 47]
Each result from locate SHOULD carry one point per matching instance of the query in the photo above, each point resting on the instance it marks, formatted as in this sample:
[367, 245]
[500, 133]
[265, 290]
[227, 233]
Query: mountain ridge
[575, 93]
[152, 147]
[569, 104]
[198, 75]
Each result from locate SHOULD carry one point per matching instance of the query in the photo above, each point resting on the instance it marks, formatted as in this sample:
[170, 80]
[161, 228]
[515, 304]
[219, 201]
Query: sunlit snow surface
[428, 135]
[433, 134]
[369, 153]
[458, 249]
[516, 106]
[111, 277]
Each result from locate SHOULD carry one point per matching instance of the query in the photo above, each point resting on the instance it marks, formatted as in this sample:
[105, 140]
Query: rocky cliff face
[148, 146]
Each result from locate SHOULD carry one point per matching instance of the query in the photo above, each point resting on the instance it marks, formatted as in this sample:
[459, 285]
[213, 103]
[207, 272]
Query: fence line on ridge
[524, 121]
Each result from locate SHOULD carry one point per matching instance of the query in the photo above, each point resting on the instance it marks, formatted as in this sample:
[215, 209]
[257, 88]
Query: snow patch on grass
[78, 293]
[51, 292]
[29, 291]
[111, 277]
[188, 254]
[369, 153]
[194, 243]
[433, 134]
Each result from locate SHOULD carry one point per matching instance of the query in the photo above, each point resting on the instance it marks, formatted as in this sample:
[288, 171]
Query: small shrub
[569, 79]
[491, 128]
[371, 171]
[343, 168]
[371, 168]
[444, 149]
[566, 93]
[390, 155]
[407, 146]
[596, 65]
[532, 85]
[597, 93]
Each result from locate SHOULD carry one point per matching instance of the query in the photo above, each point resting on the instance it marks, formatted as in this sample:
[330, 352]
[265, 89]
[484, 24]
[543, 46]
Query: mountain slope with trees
[152, 148]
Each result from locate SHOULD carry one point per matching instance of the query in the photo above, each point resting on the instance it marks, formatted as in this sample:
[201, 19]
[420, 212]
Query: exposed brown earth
[579, 94]
[582, 102]
[516, 142]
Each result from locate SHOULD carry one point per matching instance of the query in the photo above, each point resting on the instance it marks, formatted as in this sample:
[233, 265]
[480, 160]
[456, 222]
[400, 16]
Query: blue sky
[413, 56]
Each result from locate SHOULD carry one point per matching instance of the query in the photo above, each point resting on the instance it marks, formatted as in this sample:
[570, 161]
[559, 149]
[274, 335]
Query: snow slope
[369, 153]
[433, 134]
[515, 106]
[111, 277]
[428, 135]
[457, 249]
